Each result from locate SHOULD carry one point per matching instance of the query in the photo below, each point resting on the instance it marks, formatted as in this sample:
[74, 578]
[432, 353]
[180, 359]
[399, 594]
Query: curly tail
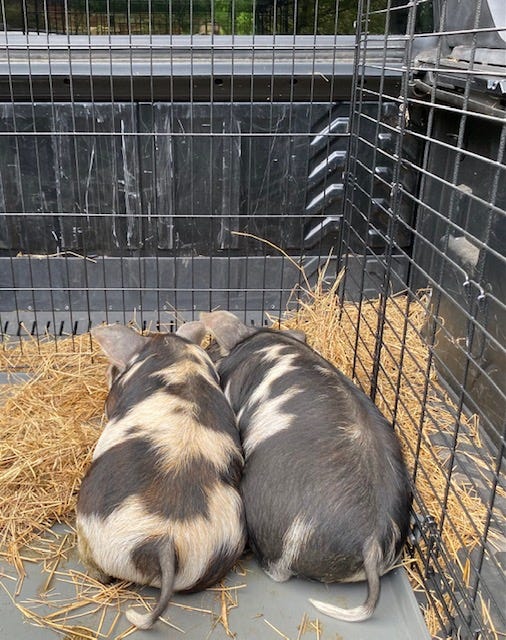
[373, 558]
[167, 570]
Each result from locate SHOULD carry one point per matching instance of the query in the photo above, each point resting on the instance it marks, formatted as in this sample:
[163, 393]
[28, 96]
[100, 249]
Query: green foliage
[239, 17]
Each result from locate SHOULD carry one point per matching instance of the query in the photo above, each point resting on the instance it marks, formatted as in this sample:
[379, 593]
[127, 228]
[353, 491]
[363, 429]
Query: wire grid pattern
[441, 160]
[143, 154]
[132, 149]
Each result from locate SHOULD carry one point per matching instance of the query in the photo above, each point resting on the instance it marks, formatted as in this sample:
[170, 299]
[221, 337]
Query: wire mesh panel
[139, 138]
[162, 157]
[441, 156]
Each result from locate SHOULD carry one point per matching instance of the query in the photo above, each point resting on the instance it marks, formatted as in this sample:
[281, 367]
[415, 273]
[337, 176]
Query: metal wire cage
[427, 190]
[144, 143]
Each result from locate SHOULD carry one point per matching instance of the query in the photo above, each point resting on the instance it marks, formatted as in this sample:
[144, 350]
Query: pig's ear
[119, 343]
[194, 331]
[295, 333]
[226, 328]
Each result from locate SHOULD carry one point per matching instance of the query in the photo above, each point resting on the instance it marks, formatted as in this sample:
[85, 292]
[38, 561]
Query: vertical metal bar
[331, 82]
[451, 214]
[192, 177]
[430, 339]
[395, 194]
[233, 219]
[273, 132]
[212, 124]
[352, 147]
[356, 110]
[41, 195]
[150, 203]
[93, 219]
[289, 167]
[17, 161]
[172, 143]
[251, 147]
[366, 248]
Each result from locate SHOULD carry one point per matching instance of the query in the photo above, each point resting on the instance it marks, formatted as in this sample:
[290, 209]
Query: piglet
[160, 504]
[325, 489]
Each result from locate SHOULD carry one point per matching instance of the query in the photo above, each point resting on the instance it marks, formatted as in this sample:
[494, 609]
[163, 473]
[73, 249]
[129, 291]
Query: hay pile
[49, 425]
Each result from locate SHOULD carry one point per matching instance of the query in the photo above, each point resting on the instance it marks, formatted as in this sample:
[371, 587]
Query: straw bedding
[49, 425]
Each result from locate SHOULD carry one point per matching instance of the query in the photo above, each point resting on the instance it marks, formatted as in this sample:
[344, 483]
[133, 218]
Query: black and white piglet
[159, 504]
[325, 488]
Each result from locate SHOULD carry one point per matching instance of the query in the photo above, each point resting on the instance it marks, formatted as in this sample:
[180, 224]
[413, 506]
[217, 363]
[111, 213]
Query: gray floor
[266, 610]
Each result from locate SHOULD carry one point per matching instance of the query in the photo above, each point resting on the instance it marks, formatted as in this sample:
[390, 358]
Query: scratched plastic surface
[266, 610]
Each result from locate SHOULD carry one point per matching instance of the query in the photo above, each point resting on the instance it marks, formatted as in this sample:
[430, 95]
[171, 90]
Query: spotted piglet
[159, 504]
[325, 488]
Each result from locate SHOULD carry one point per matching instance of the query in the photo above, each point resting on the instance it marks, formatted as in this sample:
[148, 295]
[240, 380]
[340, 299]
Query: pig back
[321, 460]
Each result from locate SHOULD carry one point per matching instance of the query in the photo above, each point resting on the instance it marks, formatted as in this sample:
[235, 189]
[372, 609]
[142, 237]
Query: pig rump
[159, 504]
[325, 488]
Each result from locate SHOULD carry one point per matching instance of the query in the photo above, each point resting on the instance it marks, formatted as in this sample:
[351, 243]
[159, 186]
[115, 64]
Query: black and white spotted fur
[160, 504]
[325, 488]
